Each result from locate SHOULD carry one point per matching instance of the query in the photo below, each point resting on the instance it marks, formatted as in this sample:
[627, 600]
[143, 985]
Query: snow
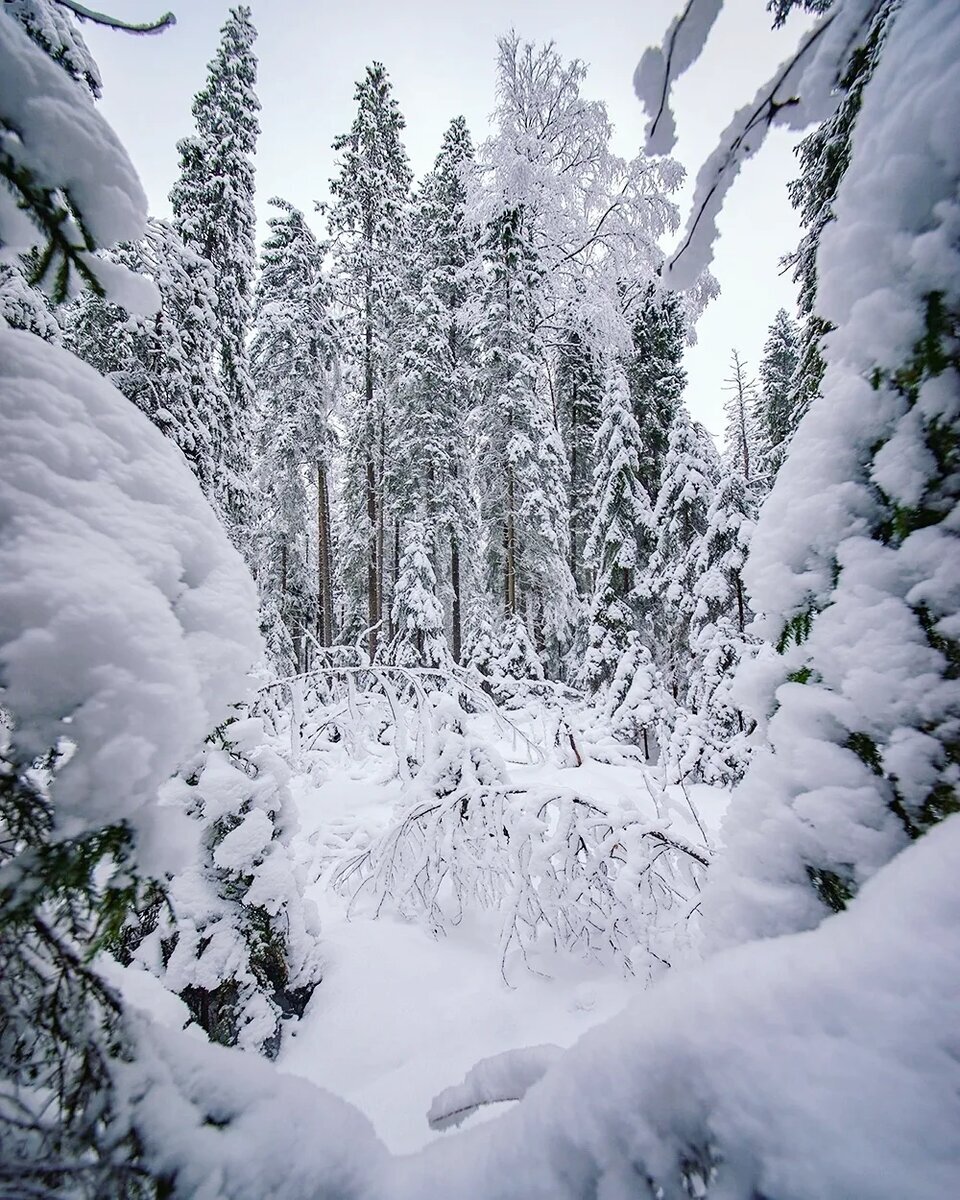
[66, 144]
[819, 1064]
[127, 621]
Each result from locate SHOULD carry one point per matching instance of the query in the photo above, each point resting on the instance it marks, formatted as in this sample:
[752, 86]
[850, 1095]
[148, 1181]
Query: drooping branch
[108, 22]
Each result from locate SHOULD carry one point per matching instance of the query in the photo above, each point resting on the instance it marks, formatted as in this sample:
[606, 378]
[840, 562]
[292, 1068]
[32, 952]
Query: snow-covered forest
[410, 716]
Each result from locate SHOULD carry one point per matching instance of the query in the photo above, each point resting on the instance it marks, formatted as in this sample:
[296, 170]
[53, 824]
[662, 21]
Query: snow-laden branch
[660, 67]
[494, 1080]
[99, 18]
[803, 90]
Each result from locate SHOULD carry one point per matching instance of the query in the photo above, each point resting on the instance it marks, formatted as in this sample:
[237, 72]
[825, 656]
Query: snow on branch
[494, 1080]
[801, 91]
[99, 18]
[660, 67]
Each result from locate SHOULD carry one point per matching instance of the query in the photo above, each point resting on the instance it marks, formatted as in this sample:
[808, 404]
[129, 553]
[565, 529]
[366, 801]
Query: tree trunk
[455, 583]
[324, 561]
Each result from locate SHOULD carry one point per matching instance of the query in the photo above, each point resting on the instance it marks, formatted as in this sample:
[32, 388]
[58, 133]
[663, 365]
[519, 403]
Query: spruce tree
[657, 379]
[367, 226]
[293, 359]
[437, 391]
[773, 411]
[213, 206]
[709, 739]
[419, 640]
[852, 564]
[620, 537]
[690, 473]
[824, 158]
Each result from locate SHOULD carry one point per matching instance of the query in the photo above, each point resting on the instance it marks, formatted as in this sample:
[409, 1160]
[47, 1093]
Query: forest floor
[401, 1014]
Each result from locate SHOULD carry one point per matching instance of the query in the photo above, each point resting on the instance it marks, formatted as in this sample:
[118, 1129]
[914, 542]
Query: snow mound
[127, 621]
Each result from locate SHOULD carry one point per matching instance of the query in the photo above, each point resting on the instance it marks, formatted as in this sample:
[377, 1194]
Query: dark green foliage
[62, 1030]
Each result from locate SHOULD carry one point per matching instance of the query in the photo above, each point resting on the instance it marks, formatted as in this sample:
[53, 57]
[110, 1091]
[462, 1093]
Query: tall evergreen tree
[437, 389]
[657, 379]
[621, 535]
[853, 562]
[668, 589]
[293, 358]
[213, 208]
[774, 411]
[367, 225]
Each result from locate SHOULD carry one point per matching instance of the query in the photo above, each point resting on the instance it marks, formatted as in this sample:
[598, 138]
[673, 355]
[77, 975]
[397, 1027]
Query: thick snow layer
[875, 675]
[819, 1064]
[65, 143]
[127, 621]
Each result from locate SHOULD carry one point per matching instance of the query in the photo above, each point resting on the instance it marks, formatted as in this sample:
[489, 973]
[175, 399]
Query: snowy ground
[400, 1015]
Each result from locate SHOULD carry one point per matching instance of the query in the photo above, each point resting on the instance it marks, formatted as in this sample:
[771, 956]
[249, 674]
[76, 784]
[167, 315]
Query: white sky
[441, 57]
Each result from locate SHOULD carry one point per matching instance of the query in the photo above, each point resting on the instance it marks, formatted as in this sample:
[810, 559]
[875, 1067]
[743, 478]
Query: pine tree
[164, 363]
[437, 391]
[657, 379]
[419, 640]
[773, 410]
[212, 203]
[852, 561]
[668, 590]
[367, 219]
[293, 359]
[621, 535]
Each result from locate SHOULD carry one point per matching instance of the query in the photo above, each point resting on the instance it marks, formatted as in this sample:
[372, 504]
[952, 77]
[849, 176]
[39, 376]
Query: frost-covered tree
[690, 472]
[213, 209]
[235, 938]
[709, 740]
[437, 387]
[163, 363]
[774, 412]
[367, 217]
[853, 559]
[657, 379]
[417, 617]
[293, 359]
[824, 156]
[621, 536]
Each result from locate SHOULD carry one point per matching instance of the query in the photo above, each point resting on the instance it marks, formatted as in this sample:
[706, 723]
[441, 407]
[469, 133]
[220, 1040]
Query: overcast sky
[441, 57]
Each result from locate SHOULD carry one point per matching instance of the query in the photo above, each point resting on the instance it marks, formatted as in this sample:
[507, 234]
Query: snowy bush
[563, 873]
[236, 939]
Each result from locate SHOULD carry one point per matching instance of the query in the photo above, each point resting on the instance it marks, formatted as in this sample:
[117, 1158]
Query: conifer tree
[824, 157]
[212, 203]
[165, 364]
[580, 392]
[367, 226]
[437, 390]
[690, 472]
[237, 940]
[419, 640]
[773, 411]
[621, 535]
[293, 358]
[852, 564]
[709, 739]
[657, 379]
